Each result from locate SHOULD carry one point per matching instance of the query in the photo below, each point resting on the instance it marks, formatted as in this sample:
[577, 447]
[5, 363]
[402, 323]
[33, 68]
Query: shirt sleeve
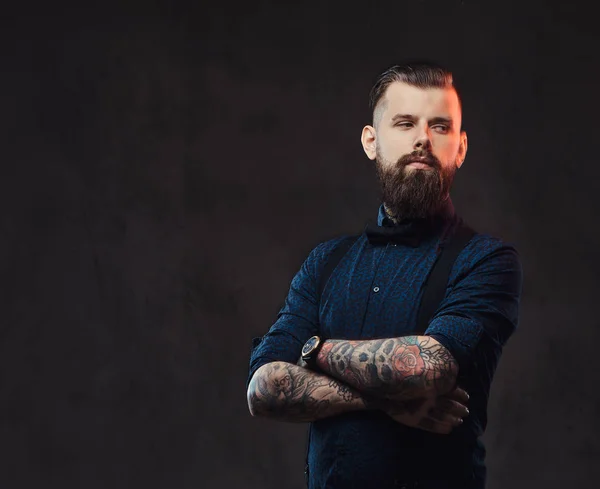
[481, 303]
[296, 322]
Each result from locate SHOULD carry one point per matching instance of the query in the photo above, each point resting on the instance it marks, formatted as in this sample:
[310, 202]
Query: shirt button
[375, 289]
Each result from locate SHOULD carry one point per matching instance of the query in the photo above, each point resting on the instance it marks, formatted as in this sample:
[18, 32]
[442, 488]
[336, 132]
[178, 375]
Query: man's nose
[423, 140]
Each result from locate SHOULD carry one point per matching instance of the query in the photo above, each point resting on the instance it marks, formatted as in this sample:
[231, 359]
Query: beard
[414, 193]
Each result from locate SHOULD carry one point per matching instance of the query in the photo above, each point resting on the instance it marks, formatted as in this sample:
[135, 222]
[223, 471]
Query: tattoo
[288, 392]
[345, 392]
[402, 368]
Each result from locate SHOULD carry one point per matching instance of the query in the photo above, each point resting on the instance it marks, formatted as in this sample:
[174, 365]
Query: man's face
[417, 144]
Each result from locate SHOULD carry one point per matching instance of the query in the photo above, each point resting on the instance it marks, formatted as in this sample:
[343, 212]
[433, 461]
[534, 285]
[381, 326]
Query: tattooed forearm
[400, 368]
[288, 392]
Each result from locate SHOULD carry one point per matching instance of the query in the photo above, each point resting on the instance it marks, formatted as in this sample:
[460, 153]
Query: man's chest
[375, 292]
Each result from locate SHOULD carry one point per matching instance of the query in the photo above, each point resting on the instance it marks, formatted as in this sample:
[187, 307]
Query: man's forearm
[288, 392]
[402, 368]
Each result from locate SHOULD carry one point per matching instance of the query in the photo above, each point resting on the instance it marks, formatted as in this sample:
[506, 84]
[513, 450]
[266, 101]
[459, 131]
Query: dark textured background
[166, 169]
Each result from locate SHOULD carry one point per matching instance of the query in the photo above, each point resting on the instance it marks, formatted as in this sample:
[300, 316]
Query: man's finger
[451, 407]
[459, 395]
[444, 416]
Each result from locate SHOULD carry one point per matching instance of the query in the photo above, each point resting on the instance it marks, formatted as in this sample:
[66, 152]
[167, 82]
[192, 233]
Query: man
[387, 406]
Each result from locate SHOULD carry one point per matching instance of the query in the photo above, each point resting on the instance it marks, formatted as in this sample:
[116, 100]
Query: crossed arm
[402, 368]
[288, 392]
[391, 373]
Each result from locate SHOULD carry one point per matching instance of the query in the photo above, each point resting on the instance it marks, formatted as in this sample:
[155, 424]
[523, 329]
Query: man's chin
[413, 211]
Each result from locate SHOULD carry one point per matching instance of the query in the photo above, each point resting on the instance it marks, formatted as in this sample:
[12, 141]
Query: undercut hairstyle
[417, 74]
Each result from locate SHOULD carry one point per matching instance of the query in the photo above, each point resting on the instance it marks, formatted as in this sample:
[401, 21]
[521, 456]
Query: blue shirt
[375, 292]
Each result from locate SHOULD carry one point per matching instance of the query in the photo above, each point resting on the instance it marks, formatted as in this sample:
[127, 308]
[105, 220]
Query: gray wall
[164, 172]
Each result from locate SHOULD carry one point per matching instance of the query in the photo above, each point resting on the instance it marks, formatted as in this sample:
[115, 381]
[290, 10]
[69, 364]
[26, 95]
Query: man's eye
[404, 124]
[440, 128]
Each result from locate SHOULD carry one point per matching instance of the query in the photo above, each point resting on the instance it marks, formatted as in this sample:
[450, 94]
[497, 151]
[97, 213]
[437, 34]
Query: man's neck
[389, 214]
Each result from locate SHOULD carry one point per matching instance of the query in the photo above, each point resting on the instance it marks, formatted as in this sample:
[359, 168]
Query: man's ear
[368, 140]
[462, 149]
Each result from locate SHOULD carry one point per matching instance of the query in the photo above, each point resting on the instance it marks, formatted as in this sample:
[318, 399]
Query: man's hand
[437, 415]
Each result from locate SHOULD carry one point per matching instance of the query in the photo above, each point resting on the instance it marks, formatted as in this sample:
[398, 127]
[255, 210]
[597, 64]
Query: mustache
[421, 157]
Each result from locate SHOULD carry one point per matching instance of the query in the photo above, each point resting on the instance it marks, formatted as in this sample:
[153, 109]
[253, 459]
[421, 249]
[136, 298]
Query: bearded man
[393, 379]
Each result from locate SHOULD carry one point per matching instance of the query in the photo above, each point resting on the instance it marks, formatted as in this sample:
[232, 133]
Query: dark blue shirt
[375, 292]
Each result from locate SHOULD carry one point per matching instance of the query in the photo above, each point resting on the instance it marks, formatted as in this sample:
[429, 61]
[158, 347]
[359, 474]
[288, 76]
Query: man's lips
[420, 164]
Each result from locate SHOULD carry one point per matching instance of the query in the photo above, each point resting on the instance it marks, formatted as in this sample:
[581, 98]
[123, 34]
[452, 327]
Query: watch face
[310, 345]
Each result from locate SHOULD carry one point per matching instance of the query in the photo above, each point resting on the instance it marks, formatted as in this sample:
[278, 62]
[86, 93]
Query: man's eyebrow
[441, 120]
[408, 117]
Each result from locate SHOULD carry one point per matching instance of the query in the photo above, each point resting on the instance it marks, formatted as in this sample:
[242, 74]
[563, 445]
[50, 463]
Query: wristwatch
[310, 351]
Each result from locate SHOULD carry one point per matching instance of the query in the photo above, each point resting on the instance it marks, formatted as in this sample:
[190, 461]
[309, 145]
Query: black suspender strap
[437, 281]
[336, 256]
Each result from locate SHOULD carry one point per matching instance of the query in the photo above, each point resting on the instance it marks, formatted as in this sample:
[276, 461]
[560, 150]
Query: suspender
[437, 281]
[332, 262]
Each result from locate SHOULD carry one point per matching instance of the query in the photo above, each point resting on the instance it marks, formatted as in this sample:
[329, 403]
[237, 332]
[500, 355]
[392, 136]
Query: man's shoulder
[485, 242]
[315, 262]
[324, 249]
[484, 246]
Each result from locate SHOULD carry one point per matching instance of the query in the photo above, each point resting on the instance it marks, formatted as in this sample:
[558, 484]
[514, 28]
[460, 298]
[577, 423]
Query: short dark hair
[420, 74]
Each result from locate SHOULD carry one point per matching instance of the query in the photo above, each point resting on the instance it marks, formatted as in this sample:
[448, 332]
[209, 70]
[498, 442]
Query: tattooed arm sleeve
[288, 392]
[402, 368]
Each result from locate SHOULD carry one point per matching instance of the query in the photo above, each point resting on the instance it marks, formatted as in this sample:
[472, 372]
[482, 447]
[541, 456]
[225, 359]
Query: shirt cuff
[458, 335]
